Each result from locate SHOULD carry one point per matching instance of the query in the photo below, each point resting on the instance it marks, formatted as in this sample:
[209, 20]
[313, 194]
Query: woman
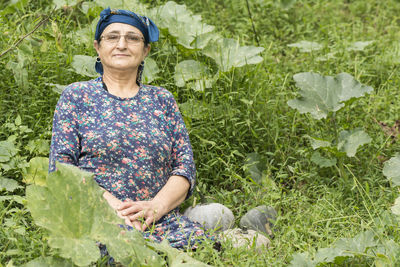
[130, 135]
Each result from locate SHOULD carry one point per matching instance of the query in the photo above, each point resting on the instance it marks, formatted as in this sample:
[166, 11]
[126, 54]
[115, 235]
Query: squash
[260, 218]
[213, 216]
[246, 238]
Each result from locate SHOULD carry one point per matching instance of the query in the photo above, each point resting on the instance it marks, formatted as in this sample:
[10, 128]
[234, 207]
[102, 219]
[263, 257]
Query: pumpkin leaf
[254, 167]
[396, 207]
[317, 142]
[129, 248]
[180, 22]
[228, 54]
[150, 70]
[8, 185]
[84, 65]
[359, 46]
[323, 94]
[321, 161]
[37, 171]
[188, 70]
[7, 151]
[302, 260]
[350, 141]
[134, 5]
[49, 262]
[65, 3]
[285, 4]
[68, 208]
[177, 258]
[306, 46]
[391, 170]
[16, 198]
[193, 109]
[57, 88]
[76, 215]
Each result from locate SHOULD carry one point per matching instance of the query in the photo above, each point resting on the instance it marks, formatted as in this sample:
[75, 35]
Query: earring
[98, 59]
[140, 72]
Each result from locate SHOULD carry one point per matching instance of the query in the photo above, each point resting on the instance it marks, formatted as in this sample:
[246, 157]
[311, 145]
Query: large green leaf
[227, 53]
[306, 46]
[359, 46]
[392, 170]
[343, 248]
[7, 151]
[37, 171]
[318, 142]
[396, 207]
[129, 247]
[84, 65]
[133, 5]
[49, 262]
[8, 185]
[350, 141]
[323, 94]
[194, 109]
[65, 3]
[71, 207]
[188, 70]
[321, 161]
[177, 258]
[150, 70]
[180, 22]
[254, 167]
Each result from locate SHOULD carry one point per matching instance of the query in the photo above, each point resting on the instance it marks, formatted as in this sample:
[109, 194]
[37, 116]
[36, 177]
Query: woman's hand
[115, 203]
[142, 214]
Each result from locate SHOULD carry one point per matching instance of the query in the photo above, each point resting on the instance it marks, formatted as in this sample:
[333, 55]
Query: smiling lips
[121, 55]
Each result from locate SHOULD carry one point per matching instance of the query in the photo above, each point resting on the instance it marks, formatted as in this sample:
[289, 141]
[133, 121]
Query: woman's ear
[96, 46]
[147, 50]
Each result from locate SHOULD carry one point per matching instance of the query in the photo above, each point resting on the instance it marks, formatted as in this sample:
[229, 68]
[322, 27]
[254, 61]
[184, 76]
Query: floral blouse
[132, 145]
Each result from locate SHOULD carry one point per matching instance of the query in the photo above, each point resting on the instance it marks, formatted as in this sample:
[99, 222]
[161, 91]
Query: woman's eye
[133, 38]
[113, 37]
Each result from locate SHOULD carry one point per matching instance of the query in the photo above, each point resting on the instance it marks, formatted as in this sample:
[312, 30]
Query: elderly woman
[130, 135]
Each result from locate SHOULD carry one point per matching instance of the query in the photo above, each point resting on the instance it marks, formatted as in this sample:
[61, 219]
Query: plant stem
[43, 21]
[342, 172]
[252, 23]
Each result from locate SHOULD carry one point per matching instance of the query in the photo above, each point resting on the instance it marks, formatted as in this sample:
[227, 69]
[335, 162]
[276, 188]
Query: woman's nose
[122, 42]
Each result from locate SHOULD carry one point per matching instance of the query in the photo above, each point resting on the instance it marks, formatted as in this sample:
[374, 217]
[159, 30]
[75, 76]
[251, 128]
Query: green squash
[212, 216]
[260, 218]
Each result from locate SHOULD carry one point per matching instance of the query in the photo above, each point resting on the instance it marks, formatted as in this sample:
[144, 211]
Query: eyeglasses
[114, 38]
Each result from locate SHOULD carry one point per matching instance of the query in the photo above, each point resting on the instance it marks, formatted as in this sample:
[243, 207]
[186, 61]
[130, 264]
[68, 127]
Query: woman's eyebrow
[129, 32]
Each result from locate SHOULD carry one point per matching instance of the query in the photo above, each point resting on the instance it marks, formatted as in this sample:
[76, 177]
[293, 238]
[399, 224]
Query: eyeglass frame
[119, 38]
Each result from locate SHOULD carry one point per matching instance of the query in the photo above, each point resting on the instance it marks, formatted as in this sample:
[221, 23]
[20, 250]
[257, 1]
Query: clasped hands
[138, 214]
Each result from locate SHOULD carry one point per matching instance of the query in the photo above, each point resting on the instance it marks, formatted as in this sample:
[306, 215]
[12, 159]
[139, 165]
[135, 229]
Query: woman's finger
[138, 215]
[149, 221]
[133, 209]
[137, 225]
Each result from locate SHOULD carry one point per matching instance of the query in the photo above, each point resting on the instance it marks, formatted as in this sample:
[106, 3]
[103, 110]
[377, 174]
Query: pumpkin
[212, 216]
[245, 238]
[260, 218]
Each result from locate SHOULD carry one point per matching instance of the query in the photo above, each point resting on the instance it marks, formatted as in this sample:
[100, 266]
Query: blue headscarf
[145, 25]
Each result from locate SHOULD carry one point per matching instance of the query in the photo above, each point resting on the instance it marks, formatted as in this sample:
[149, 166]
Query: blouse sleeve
[65, 139]
[182, 155]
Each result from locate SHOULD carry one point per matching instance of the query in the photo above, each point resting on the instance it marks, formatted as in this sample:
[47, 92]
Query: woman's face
[121, 56]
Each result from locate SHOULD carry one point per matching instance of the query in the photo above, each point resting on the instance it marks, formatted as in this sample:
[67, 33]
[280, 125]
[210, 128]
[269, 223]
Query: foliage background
[244, 112]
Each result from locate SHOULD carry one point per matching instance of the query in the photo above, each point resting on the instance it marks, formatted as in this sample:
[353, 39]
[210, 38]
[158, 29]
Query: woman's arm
[143, 213]
[65, 140]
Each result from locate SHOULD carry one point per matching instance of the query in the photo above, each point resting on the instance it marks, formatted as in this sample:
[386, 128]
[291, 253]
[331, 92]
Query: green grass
[316, 207]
